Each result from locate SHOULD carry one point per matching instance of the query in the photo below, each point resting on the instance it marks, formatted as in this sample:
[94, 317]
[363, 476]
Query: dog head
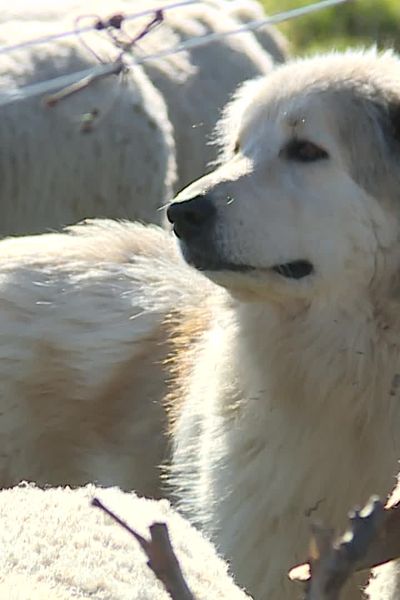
[304, 201]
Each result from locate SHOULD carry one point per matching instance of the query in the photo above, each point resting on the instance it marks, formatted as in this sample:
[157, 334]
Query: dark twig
[114, 68]
[162, 559]
[386, 545]
[333, 562]
[113, 26]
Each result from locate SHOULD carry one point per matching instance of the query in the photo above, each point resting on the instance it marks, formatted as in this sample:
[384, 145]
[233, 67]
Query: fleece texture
[55, 546]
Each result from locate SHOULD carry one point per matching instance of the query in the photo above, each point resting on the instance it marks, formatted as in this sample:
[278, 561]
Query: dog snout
[190, 217]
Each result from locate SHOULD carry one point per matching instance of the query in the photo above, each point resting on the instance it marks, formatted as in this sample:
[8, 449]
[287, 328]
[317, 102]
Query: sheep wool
[197, 85]
[126, 166]
[105, 151]
[270, 38]
[55, 546]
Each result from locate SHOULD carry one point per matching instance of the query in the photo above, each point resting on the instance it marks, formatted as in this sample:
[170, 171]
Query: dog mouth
[296, 269]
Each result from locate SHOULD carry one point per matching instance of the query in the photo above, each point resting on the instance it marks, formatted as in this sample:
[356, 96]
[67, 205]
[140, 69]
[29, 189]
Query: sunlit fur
[284, 394]
[56, 546]
[291, 407]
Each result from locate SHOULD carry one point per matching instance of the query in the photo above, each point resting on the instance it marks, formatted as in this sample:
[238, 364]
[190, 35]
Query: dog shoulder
[100, 290]
[91, 240]
[188, 327]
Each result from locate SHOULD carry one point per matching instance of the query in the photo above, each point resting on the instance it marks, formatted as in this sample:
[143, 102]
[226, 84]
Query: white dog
[291, 399]
[285, 376]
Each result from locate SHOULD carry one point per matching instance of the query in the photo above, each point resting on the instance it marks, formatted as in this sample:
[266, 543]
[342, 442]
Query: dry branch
[162, 559]
[368, 542]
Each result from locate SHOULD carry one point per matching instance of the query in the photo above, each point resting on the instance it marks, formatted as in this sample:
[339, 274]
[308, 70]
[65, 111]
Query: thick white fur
[287, 389]
[78, 339]
[291, 406]
[385, 583]
[195, 86]
[55, 546]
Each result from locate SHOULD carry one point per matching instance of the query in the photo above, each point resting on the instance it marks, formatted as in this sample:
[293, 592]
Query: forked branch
[372, 540]
[161, 557]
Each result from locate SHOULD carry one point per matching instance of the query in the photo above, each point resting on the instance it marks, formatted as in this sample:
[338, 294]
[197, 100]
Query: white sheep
[246, 11]
[125, 166]
[198, 84]
[55, 546]
[98, 419]
[270, 38]
[52, 172]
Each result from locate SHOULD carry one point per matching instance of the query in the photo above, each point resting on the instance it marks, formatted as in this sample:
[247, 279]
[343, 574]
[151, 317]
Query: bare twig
[383, 548]
[162, 559]
[386, 545]
[113, 69]
[333, 562]
[49, 85]
[113, 26]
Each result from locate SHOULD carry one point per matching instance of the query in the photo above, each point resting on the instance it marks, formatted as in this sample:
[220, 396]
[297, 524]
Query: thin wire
[203, 40]
[51, 85]
[72, 32]
[98, 71]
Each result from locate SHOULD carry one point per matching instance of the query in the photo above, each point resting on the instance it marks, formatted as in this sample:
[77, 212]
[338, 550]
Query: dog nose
[189, 217]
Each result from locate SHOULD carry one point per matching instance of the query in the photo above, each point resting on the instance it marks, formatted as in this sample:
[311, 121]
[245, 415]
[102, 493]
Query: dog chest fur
[264, 442]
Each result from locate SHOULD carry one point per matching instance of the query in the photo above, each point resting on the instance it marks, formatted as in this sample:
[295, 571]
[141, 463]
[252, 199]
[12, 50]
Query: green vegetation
[359, 22]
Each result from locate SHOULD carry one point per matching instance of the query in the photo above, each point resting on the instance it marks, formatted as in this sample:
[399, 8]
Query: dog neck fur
[259, 386]
[291, 399]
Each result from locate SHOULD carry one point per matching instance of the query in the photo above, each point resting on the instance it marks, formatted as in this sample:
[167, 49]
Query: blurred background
[360, 22]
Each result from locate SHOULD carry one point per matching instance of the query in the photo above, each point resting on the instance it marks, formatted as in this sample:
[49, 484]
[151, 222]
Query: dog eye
[236, 148]
[304, 151]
